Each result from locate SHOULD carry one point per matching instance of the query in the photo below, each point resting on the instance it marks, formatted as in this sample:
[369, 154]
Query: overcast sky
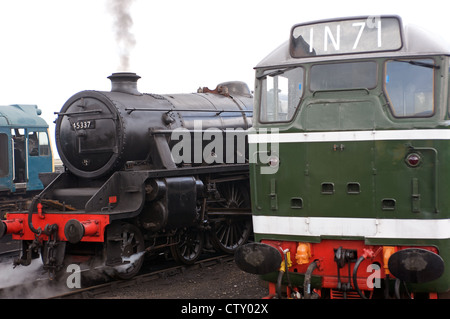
[52, 49]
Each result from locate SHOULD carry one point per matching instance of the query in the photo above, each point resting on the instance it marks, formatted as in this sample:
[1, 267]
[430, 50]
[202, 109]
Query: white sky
[52, 49]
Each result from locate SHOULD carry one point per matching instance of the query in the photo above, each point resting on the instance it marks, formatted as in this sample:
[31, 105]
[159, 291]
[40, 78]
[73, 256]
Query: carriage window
[4, 163]
[33, 146]
[38, 144]
[341, 76]
[44, 146]
[281, 94]
[409, 86]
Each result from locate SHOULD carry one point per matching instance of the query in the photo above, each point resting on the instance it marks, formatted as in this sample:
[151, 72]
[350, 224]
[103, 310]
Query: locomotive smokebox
[124, 82]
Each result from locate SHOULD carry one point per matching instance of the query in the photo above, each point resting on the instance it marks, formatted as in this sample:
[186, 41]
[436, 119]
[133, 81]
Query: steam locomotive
[144, 172]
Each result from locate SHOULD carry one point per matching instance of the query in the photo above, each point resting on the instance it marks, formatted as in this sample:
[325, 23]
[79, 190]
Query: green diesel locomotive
[351, 162]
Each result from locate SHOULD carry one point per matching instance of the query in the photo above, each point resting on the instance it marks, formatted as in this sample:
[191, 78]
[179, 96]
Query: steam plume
[122, 24]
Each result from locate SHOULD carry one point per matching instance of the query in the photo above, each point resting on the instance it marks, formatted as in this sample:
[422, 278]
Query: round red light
[413, 159]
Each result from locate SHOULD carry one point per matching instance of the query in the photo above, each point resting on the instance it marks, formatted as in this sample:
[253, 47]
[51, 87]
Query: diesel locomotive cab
[355, 112]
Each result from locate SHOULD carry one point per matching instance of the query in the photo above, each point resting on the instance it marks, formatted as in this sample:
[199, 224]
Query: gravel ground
[222, 281]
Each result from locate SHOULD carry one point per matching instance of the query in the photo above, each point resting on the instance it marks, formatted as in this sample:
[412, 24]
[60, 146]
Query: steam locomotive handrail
[131, 110]
[153, 131]
[77, 113]
[187, 171]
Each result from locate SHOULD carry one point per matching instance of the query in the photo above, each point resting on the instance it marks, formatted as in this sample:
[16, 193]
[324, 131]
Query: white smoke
[130, 261]
[10, 276]
[122, 24]
[28, 282]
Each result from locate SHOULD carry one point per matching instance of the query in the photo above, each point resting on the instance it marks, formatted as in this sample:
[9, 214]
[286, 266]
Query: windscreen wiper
[420, 63]
[275, 72]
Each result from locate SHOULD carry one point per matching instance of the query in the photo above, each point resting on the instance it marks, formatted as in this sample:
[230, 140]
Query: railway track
[106, 288]
[36, 283]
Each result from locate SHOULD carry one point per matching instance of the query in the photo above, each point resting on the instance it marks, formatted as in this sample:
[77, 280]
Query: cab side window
[44, 145]
[38, 144]
[409, 87]
[281, 94]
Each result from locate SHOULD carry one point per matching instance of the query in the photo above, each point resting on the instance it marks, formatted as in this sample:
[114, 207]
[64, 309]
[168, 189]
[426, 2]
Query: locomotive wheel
[231, 231]
[189, 246]
[132, 252]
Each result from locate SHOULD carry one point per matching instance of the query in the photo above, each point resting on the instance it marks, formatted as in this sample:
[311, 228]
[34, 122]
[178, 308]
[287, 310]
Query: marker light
[303, 253]
[413, 159]
[387, 253]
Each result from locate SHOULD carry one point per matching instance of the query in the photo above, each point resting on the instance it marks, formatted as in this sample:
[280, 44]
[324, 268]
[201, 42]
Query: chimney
[124, 82]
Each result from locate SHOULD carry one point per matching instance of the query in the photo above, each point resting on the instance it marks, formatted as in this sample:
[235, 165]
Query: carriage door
[38, 158]
[5, 176]
[19, 158]
[340, 169]
[340, 158]
[408, 172]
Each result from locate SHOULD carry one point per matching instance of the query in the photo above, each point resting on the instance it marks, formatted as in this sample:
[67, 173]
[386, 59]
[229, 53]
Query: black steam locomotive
[144, 172]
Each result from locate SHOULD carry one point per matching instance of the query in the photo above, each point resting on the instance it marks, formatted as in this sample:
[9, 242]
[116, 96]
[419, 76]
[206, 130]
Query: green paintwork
[378, 167]
[362, 178]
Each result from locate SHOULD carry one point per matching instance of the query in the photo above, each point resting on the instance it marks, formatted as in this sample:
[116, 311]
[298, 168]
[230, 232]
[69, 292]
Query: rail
[97, 290]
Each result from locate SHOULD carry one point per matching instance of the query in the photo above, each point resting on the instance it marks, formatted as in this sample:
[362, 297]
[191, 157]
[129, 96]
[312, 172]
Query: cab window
[343, 76]
[44, 145]
[281, 93]
[38, 144]
[409, 87]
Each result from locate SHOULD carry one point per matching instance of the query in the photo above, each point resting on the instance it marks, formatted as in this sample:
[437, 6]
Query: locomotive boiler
[144, 172]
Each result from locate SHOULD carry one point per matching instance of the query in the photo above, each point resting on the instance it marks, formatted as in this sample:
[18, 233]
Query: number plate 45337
[83, 125]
